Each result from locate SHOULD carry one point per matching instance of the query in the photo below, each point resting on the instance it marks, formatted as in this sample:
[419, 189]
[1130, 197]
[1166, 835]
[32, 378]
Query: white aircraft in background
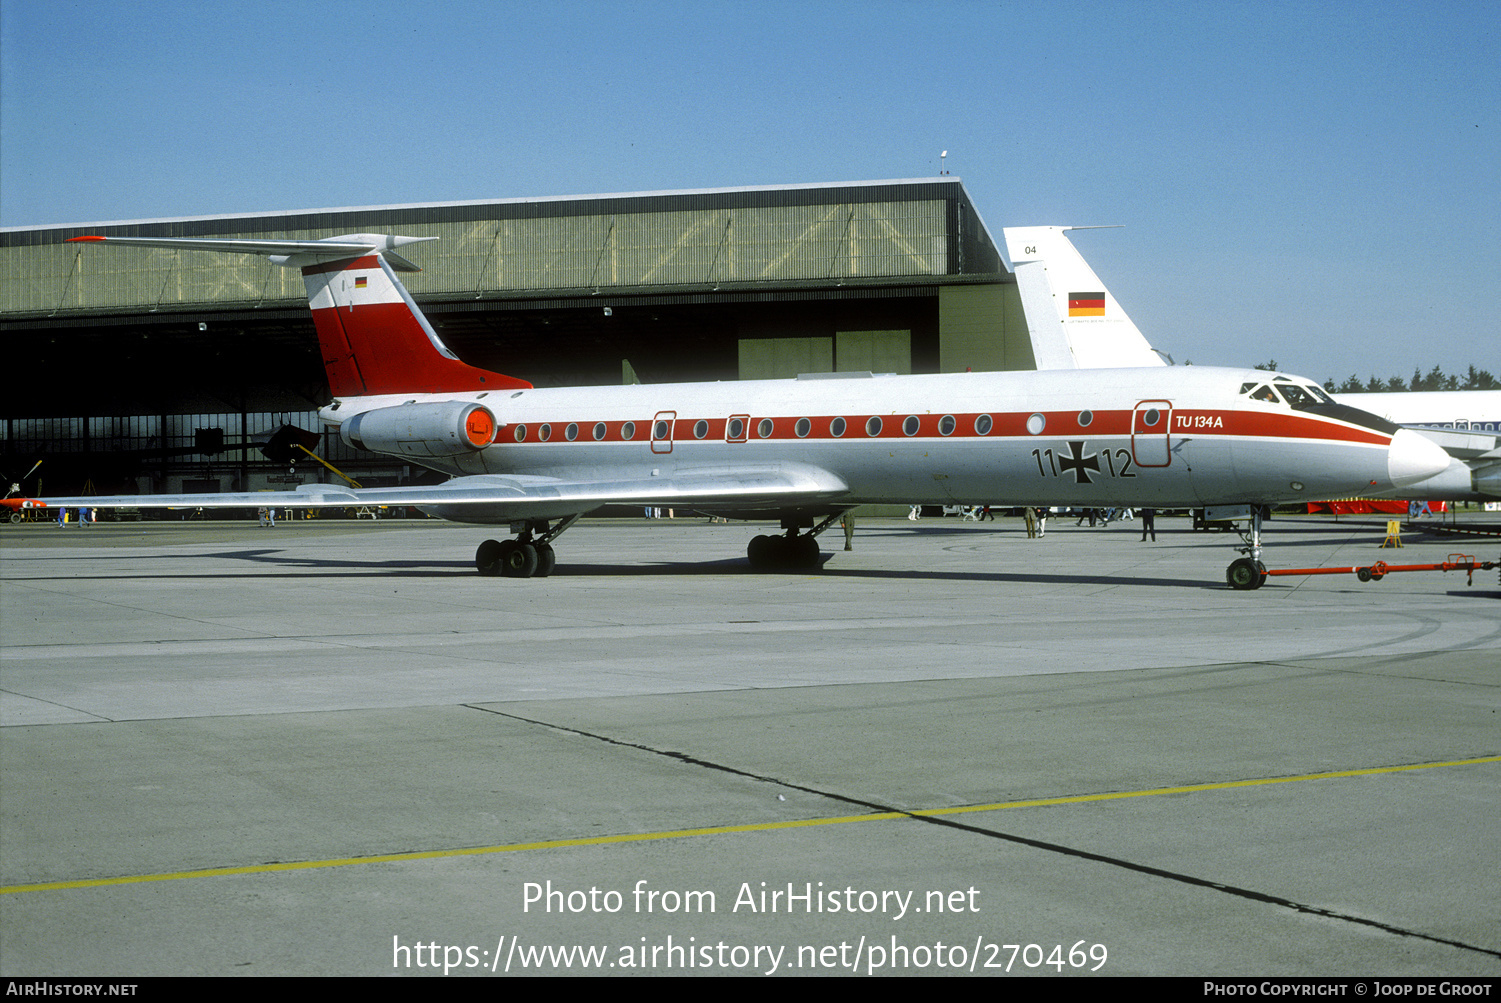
[1466, 423]
[800, 450]
[1075, 323]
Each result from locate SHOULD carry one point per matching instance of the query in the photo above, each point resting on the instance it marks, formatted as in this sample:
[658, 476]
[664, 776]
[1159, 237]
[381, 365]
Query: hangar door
[873, 352]
[846, 352]
[783, 358]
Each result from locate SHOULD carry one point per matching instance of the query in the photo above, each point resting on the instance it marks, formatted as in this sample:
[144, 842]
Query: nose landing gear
[1245, 574]
[1248, 572]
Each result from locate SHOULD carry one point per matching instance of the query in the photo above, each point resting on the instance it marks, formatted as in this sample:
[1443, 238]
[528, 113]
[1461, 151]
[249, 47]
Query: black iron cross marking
[1077, 461]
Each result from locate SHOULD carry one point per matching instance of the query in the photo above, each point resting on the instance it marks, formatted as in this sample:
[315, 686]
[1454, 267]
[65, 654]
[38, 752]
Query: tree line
[1435, 379]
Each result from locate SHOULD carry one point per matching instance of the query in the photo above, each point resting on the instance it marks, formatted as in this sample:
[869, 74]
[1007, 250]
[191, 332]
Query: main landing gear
[524, 557]
[792, 550]
[1248, 572]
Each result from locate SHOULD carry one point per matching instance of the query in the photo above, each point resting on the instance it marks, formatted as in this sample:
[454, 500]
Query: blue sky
[1318, 183]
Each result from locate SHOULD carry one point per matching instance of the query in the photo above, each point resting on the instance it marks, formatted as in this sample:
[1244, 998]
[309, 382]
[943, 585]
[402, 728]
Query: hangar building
[128, 365]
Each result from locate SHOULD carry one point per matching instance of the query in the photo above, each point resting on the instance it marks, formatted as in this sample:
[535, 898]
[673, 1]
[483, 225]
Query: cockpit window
[1297, 396]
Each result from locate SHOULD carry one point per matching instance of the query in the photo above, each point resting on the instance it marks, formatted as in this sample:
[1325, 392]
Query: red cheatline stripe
[1186, 423]
[347, 265]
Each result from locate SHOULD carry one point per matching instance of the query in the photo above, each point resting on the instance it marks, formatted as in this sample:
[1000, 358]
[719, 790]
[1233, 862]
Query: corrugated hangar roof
[795, 236]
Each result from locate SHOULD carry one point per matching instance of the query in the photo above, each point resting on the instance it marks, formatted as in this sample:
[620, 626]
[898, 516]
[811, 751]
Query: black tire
[547, 559]
[487, 558]
[804, 552]
[517, 559]
[1245, 574]
[762, 552]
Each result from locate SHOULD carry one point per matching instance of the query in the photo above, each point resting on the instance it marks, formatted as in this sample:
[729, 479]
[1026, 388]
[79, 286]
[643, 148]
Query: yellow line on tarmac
[1194, 788]
[638, 837]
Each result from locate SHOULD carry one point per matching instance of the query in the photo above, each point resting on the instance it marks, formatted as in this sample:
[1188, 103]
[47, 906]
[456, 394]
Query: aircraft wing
[1464, 444]
[494, 498]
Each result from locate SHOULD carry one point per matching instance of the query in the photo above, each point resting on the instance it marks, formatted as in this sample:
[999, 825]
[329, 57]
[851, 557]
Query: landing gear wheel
[1245, 574]
[487, 558]
[771, 552]
[762, 552]
[517, 559]
[546, 560]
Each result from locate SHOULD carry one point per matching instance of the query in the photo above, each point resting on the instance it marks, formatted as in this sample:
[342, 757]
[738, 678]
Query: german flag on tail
[1086, 304]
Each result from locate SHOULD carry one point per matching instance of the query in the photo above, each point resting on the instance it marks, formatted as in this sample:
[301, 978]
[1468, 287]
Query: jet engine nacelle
[1487, 480]
[449, 428]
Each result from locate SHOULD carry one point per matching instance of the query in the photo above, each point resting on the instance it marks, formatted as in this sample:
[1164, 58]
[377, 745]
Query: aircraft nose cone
[1412, 458]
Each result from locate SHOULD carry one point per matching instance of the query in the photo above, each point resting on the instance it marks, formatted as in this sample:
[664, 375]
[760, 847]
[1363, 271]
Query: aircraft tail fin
[374, 338]
[1073, 321]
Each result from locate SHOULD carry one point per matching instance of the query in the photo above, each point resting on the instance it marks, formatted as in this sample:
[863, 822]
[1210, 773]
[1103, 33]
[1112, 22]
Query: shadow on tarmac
[281, 564]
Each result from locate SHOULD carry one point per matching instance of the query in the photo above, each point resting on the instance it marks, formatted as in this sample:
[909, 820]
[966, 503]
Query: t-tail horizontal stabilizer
[1072, 319]
[374, 338]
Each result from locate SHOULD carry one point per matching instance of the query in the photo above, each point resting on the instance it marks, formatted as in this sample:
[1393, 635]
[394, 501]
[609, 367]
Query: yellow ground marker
[1393, 533]
[639, 837]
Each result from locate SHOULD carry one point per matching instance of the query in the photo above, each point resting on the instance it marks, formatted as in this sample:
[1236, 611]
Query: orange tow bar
[1379, 570]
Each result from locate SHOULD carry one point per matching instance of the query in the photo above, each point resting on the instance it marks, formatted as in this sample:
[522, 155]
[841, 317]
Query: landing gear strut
[1248, 572]
[792, 550]
[525, 556]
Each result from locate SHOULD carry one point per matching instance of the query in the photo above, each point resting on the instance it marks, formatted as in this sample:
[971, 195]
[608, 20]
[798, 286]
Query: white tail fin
[1073, 320]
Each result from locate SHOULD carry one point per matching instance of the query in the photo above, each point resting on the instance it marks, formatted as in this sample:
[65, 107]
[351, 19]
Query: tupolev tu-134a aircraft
[801, 450]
